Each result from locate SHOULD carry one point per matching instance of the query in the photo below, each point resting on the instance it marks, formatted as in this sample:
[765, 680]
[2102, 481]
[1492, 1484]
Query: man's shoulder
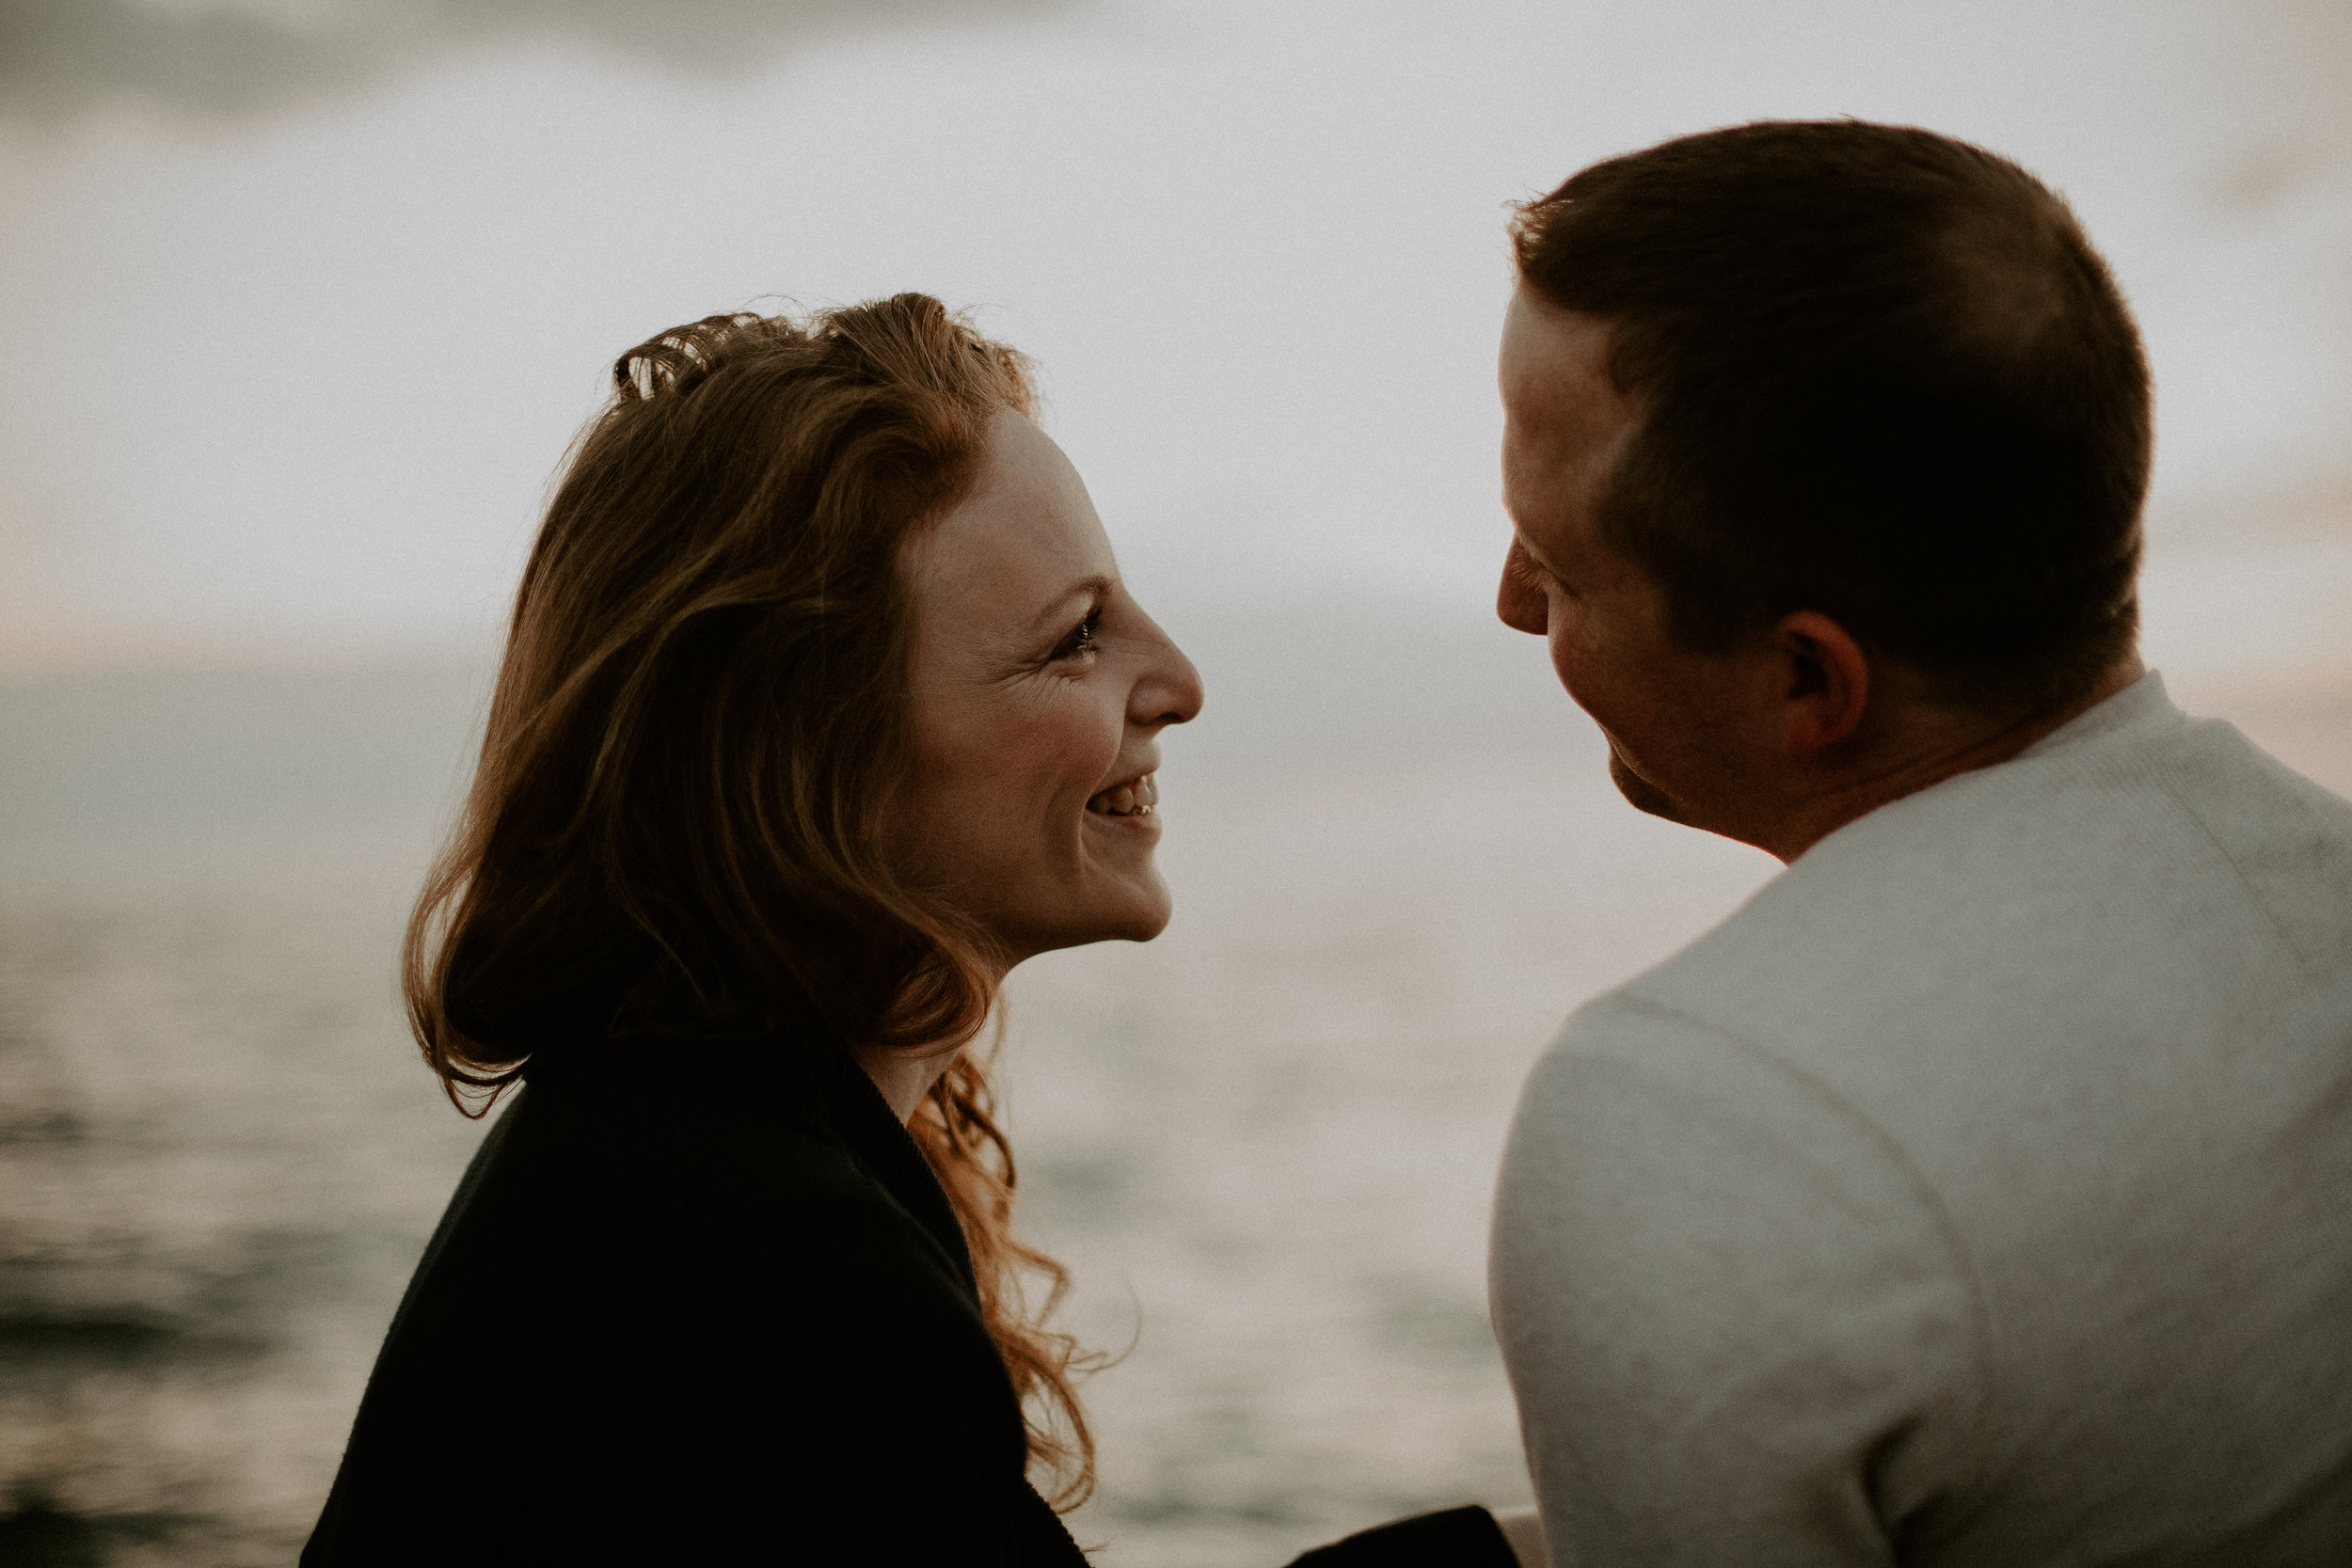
[2115, 874]
[2287, 840]
[2014, 1122]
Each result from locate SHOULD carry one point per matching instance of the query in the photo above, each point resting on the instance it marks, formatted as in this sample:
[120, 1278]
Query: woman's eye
[1081, 638]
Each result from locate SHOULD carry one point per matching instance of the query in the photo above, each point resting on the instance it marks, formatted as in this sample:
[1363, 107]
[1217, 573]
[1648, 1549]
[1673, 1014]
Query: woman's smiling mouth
[1127, 799]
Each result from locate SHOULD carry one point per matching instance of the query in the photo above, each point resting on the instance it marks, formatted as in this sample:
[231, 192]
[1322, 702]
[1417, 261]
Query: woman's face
[1040, 691]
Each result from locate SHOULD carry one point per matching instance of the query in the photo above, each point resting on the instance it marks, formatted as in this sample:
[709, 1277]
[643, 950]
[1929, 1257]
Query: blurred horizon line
[2322, 679]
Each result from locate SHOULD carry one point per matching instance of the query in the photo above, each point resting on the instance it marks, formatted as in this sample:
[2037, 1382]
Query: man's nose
[1519, 603]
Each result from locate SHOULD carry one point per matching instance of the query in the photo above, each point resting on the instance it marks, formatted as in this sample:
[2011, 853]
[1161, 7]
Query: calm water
[1264, 1142]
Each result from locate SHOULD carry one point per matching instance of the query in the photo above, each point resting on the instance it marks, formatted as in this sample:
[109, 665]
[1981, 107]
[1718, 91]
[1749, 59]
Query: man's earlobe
[1828, 679]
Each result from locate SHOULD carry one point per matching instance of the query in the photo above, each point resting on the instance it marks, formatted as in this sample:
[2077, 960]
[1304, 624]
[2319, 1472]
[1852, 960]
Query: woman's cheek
[1091, 728]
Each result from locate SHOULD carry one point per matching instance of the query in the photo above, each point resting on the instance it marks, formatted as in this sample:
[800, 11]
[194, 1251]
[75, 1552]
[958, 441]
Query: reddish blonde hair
[696, 734]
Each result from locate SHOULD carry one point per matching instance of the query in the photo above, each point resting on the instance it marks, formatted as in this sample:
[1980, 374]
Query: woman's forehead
[1026, 532]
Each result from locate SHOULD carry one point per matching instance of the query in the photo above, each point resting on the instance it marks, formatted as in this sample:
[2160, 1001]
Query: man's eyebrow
[1097, 588]
[1533, 555]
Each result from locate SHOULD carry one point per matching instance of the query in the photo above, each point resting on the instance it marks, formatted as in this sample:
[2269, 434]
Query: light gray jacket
[1980, 1192]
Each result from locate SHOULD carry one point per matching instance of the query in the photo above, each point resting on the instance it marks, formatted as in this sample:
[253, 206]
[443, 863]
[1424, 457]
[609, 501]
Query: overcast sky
[294, 348]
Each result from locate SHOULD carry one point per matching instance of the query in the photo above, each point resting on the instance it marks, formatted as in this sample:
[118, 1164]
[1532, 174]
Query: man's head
[1840, 415]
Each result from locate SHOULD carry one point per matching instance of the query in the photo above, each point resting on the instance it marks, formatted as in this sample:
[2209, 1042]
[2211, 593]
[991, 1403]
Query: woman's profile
[822, 706]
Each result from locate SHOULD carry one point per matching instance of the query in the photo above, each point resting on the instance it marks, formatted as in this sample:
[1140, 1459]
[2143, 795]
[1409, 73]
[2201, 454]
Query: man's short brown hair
[1880, 375]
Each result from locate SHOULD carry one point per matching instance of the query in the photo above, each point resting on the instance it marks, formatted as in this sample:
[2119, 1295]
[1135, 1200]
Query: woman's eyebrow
[1095, 587]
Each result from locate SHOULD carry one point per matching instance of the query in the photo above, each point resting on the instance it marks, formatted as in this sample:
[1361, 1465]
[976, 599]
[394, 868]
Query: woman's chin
[1140, 919]
[1151, 925]
[1133, 913]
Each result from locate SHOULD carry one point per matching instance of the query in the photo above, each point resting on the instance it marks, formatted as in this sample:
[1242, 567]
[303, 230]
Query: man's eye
[1081, 638]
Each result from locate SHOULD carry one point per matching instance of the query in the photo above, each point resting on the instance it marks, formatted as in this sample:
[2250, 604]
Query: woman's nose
[1169, 691]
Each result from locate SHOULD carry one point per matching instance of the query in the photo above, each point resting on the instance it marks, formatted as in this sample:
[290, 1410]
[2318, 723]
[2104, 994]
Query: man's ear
[1827, 681]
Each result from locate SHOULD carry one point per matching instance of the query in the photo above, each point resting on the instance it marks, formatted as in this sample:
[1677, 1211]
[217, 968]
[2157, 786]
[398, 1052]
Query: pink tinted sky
[290, 381]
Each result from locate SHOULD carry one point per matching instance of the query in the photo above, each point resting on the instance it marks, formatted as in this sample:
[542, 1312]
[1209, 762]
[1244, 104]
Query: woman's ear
[1826, 682]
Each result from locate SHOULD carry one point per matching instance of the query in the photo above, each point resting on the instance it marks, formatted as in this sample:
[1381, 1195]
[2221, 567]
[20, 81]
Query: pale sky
[290, 382]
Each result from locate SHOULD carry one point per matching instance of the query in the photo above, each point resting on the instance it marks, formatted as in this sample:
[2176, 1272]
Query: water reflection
[1263, 1143]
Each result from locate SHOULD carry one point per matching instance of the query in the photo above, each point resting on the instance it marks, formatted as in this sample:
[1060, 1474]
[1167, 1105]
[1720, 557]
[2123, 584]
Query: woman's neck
[903, 1078]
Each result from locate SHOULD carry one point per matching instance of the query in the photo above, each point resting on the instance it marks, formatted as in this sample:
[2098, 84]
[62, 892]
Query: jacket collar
[862, 1122]
[809, 1081]
[2142, 702]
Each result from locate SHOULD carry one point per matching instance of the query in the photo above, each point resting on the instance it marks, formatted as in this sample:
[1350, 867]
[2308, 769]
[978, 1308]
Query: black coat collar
[813, 1083]
[865, 1124]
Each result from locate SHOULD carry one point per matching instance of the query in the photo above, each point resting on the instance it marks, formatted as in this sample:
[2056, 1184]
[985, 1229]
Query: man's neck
[1914, 762]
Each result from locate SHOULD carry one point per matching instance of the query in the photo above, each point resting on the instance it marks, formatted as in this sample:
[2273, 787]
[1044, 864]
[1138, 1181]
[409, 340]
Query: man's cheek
[1574, 664]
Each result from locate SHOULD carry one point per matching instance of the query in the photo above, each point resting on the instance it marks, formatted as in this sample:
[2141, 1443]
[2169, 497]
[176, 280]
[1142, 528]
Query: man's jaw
[1643, 795]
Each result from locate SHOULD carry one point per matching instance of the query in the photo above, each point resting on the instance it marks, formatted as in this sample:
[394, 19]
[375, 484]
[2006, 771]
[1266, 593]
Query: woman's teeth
[1134, 799]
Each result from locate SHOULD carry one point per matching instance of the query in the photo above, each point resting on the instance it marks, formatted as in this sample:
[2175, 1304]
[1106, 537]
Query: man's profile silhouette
[1981, 1192]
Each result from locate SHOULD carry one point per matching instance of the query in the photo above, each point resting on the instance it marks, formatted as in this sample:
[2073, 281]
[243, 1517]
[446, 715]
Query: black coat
[704, 1310]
